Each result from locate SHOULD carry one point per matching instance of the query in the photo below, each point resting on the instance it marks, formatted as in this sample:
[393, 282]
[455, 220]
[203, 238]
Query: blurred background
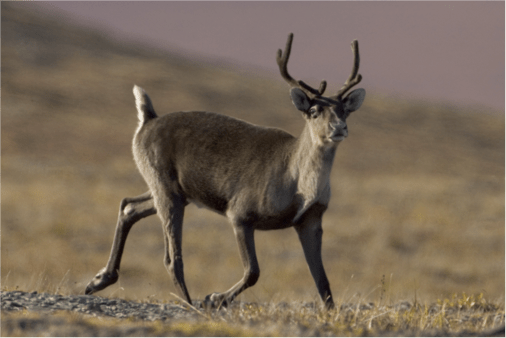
[418, 186]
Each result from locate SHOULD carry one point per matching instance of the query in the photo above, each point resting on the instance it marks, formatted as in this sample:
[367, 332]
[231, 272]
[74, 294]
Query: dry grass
[461, 315]
[418, 187]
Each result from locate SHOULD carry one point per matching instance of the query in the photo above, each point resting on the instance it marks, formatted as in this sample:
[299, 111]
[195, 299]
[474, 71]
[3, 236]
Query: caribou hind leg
[172, 214]
[131, 211]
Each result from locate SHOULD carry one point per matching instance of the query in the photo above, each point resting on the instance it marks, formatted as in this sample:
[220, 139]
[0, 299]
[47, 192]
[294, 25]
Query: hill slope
[65, 70]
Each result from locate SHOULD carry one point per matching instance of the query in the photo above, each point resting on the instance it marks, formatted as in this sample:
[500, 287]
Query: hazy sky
[451, 51]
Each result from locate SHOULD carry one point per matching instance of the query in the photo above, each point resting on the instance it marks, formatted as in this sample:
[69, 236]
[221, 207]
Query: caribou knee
[251, 277]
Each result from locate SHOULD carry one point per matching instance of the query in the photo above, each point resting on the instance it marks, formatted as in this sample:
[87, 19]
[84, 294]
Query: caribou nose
[338, 131]
[339, 125]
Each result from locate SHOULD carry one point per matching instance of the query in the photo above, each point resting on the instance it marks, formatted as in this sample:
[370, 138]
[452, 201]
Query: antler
[354, 77]
[282, 60]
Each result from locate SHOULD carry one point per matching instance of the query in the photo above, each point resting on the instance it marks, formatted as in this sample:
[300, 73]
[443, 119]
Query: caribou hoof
[102, 280]
[215, 301]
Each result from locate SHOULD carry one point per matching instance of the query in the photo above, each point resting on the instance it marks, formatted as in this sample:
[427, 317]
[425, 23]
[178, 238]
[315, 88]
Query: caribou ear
[300, 99]
[354, 100]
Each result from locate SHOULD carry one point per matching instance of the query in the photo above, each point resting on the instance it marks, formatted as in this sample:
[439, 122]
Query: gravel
[93, 305]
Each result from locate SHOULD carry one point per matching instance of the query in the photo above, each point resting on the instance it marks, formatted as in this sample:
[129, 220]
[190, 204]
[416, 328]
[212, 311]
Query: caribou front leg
[245, 238]
[131, 211]
[310, 234]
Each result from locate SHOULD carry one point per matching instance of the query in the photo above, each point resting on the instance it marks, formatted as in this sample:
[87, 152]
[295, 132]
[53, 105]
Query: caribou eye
[315, 111]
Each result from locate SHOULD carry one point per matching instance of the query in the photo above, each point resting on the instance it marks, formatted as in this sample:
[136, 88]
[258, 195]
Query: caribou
[260, 178]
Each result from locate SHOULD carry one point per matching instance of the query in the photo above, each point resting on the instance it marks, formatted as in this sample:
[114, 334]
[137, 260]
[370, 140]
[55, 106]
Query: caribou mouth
[337, 138]
[338, 135]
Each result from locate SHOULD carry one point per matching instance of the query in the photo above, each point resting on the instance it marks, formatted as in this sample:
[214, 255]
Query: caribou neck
[310, 167]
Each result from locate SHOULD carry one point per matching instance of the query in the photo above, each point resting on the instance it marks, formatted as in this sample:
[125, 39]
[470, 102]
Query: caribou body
[260, 178]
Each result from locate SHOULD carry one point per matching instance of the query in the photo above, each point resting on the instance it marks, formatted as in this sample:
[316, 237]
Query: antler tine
[282, 60]
[354, 77]
[318, 92]
[323, 86]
